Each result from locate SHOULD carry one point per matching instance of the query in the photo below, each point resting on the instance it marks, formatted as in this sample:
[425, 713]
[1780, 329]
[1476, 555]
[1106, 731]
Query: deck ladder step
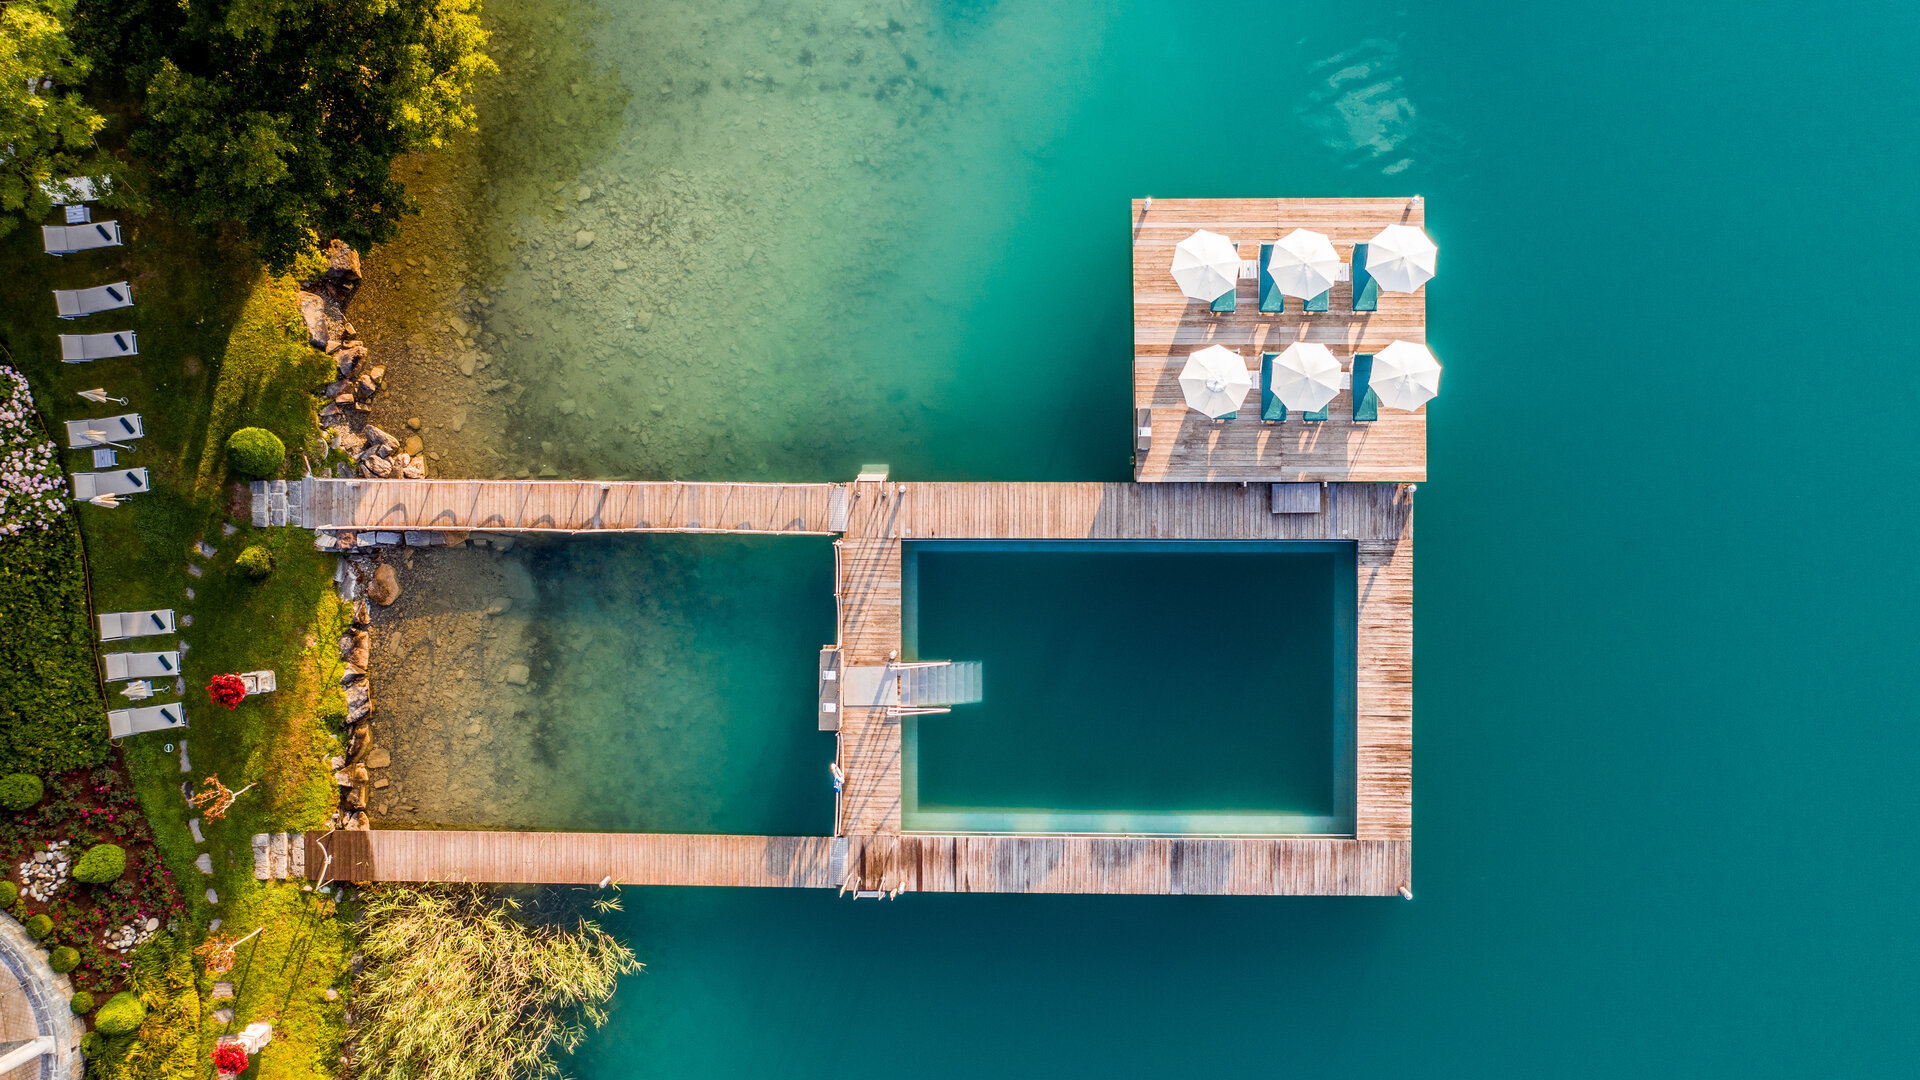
[952, 683]
[837, 508]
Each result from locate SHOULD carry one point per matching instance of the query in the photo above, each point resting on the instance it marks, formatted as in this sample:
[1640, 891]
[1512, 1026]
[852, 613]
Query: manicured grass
[221, 347]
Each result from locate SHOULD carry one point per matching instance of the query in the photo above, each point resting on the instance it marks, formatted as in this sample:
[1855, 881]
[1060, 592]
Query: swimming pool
[1189, 687]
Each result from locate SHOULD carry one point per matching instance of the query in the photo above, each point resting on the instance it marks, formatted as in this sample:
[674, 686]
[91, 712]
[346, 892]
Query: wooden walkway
[1167, 327]
[574, 858]
[564, 506]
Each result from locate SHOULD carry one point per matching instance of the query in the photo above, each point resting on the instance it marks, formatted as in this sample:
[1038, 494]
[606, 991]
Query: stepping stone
[277, 857]
[194, 827]
[186, 620]
[223, 1016]
[212, 897]
[222, 989]
[206, 550]
[195, 570]
[189, 592]
[213, 925]
[228, 529]
[204, 863]
[262, 866]
[187, 766]
[297, 856]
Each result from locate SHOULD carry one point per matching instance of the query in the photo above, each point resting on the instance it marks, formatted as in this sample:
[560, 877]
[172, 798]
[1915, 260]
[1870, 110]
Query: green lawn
[221, 347]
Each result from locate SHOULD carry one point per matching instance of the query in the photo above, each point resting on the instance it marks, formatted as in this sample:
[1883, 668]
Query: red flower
[230, 1058]
[227, 690]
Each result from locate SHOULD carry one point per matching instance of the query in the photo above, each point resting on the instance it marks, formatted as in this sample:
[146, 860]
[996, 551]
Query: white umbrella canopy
[1206, 265]
[1215, 381]
[1303, 264]
[1305, 376]
[1401, 258]
[1405, 376]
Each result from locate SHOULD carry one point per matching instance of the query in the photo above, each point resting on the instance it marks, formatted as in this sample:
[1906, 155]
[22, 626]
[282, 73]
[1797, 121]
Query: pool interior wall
[1138, 687]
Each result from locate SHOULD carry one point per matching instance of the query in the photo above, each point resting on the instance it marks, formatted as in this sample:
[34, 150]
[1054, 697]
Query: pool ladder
[933, 686]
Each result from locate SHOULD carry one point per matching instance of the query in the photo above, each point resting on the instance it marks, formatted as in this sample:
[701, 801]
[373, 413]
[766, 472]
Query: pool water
[1134, 686]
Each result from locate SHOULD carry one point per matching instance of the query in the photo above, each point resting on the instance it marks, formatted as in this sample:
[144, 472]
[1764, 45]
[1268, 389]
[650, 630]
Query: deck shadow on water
[656, 684]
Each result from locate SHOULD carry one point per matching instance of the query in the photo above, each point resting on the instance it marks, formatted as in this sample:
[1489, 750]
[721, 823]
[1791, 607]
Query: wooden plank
[567, 506]
[586, 858]
[1168, 327]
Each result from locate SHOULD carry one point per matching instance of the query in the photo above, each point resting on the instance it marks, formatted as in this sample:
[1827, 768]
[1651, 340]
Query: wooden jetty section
[1378, 517]
[563, 506]
[1183, 445]
[570, 858]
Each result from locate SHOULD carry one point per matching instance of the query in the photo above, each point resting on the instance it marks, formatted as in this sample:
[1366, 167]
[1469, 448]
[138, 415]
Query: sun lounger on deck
[1366, 403]
[116, 625]
[124, 722]
[123, 428]
[141, 665]
[1224, 303]
[80, 348]
[86, 485]
[67, 239]
[1272, 411]
[1366, 291]
[75, 303]
[1272, 300]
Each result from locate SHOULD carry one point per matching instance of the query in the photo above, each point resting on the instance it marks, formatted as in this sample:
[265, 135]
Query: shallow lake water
[1664, 694]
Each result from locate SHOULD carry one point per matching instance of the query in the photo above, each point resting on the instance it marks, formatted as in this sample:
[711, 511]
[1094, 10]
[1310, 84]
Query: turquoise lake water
[1136, 687]
[1665, 726]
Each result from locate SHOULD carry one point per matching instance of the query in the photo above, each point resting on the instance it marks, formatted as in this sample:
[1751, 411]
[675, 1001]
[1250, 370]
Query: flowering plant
[32, 493]
[230, 1058]
[228, 690]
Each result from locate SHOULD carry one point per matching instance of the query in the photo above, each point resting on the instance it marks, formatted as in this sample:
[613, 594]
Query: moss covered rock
[20, 791]
[255, 452]
[101, 863]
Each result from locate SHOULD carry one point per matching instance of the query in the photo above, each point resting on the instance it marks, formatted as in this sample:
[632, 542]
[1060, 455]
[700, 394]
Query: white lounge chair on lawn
[124, 722]
[74, 303]
[80, 348]
[142, 665]
[76, 189]
[67, 239]
[118, 625]
[86, 485]
[113, 429]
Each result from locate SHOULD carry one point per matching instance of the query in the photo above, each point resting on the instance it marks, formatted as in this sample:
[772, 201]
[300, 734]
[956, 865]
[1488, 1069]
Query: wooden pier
[563, 506]
[570, 858]
[1183, 445]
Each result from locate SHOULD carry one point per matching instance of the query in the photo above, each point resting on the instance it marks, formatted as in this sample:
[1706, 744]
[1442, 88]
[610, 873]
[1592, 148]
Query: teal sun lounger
[1366, 403]
[1366, 291]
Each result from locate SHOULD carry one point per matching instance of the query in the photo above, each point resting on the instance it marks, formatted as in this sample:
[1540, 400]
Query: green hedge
[102, 863]
[256, 562]
[82, 1003]
[52, 717]
[21, 791]
[38, 926]
[255, 452]
[64, 959]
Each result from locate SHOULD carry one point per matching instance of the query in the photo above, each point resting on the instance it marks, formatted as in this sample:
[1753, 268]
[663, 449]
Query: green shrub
[50, 703]
[38, 926]
[64, 959]
[82, 1003]
[102, 863]
[9, 894]
[256, 562]
[21, 791]
[92, 1044]
[255, 452]
[120, 1015]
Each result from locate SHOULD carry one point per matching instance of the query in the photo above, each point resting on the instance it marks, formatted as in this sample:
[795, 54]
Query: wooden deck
[577, 858]
[1379, 517]
[1167, 327]
[564, 506]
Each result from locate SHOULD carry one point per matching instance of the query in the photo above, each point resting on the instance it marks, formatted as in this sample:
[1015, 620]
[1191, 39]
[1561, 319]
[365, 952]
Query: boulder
[346, 646]
[362, 615]
[364, 387]
[313, 312]
[380, 468]
[377, 437]
[380, 758]
[414, 470]
[385, 588]
[343, 270]
[413, 446]
[358, 698]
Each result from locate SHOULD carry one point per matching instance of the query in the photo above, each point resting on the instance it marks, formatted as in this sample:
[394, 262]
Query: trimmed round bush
[64, 959]
[82, 1003]
[120, 1015]
[21, 791]
[92, 1044]
[255, 561]
[9, 894]
[38, 926]
[255, 452]
[102, 863]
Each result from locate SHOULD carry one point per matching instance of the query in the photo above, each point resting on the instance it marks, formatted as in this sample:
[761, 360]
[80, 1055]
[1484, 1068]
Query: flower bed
[32, 491]
[103, 922]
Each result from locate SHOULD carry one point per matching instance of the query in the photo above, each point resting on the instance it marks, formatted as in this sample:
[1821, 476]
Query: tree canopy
[46, 130]
[284, 116]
